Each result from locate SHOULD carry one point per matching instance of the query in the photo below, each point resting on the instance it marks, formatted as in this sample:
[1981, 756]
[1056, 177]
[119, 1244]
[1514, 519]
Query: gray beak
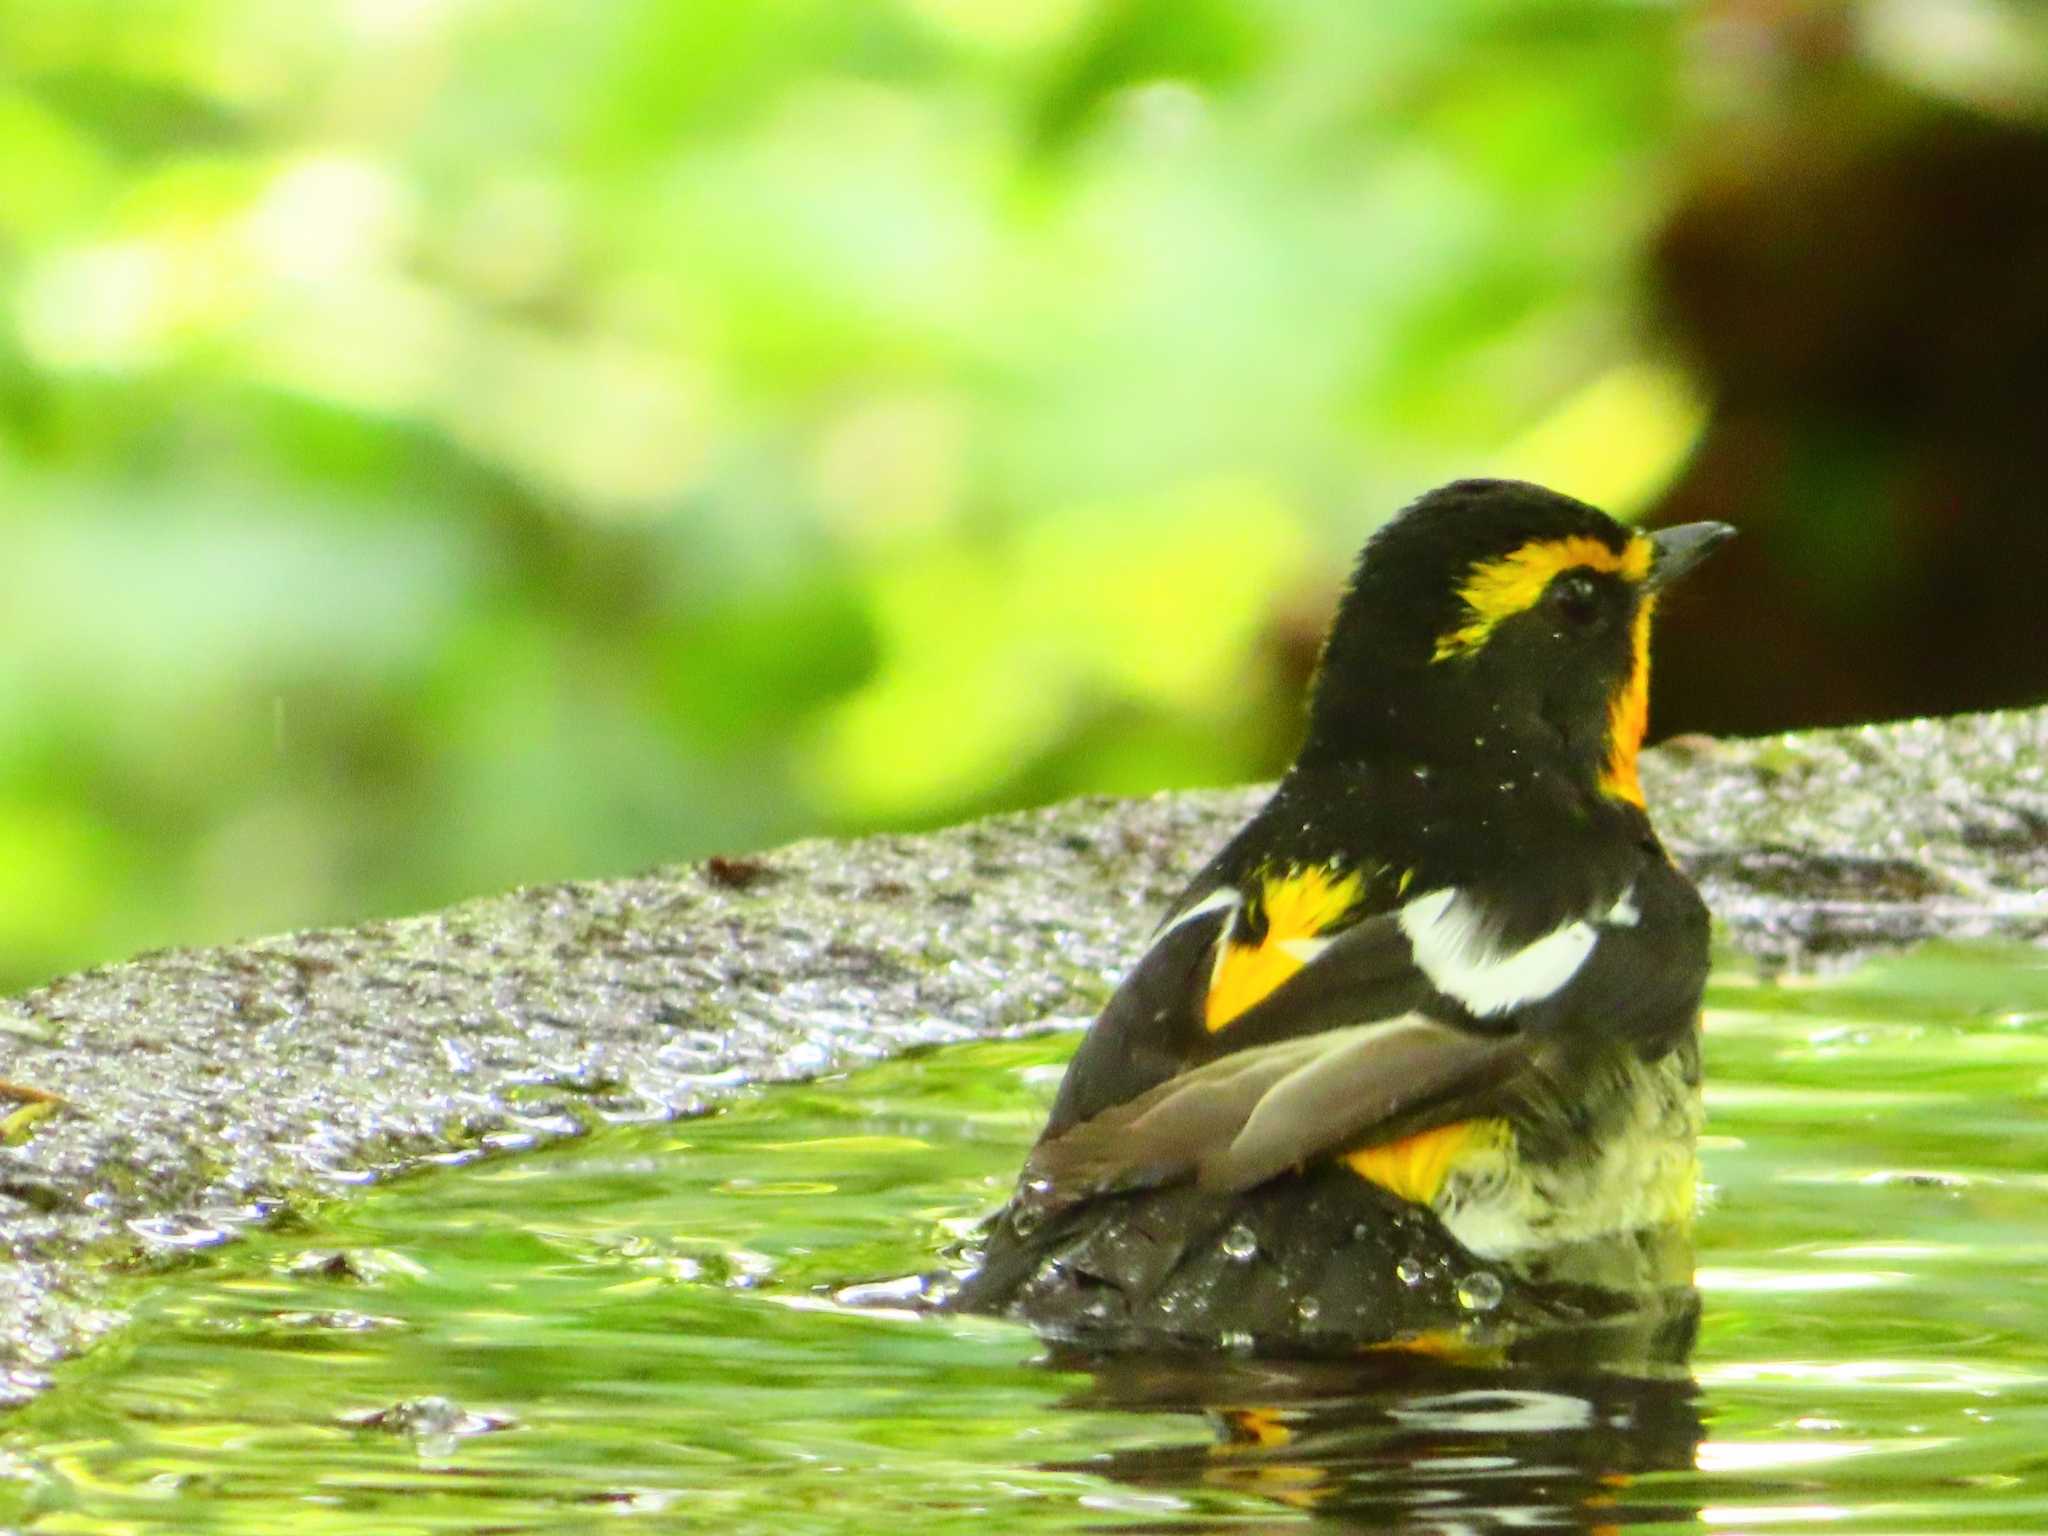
[1680, 549]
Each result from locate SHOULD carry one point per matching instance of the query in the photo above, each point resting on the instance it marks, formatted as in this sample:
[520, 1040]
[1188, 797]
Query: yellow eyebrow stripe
[1496, 590]
[1298, 904]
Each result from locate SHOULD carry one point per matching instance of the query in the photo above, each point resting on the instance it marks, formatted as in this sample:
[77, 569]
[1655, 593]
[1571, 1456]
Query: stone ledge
[1834, 842]
[208, 1089]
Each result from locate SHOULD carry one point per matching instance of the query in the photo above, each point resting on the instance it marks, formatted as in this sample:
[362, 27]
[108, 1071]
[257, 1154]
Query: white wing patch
[1304, 950]
[1222, 896]
[1446, 934]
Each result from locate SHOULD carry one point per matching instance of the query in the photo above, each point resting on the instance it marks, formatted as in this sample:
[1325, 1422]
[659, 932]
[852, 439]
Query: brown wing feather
[1240, 1120]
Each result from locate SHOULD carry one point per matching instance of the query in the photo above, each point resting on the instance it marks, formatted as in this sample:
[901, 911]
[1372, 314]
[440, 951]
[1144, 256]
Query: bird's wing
[1238, 1120]
[1406, 1020]
[1152, 1024]
[1297, 950]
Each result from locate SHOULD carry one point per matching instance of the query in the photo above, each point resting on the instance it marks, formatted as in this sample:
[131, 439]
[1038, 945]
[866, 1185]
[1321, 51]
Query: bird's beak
[1679, 549]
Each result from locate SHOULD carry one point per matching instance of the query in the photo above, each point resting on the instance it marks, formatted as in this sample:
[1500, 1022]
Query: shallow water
[633, 1329]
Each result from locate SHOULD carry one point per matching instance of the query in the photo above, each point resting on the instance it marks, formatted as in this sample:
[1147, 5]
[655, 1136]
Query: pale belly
[1641, 1171]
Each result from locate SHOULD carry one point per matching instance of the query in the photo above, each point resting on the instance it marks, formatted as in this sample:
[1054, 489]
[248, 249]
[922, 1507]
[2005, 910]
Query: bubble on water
[1237, 1341]
[178, 1232]
[427, 1418]
[739, 1269]
[1239, 1243]
[340, 1320]
[1914, 1178]
[1480, 1291]
[1409, 1272]
[1308, 1309]
[905, 1291]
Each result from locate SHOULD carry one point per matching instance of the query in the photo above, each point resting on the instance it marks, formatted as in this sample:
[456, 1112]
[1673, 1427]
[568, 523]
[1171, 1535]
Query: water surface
[636, 1329]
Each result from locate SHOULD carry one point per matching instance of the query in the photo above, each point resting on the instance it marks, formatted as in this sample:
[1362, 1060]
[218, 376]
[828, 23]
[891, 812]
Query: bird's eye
[1577, 598]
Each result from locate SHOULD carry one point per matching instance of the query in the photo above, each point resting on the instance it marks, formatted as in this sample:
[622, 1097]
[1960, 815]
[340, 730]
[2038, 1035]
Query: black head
[1493, 614]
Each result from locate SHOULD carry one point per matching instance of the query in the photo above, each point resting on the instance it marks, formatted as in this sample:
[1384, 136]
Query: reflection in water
[1548, 1431]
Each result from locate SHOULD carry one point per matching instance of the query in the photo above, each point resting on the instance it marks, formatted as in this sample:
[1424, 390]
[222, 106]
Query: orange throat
[1628, 715]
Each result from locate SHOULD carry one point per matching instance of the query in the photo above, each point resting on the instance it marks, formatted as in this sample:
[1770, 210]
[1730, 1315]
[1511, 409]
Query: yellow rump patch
[1298, 904]
[1496, 590]
[1628, 714]
[1415, 1167]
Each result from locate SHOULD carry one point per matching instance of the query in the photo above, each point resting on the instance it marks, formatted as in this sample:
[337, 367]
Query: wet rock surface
[1829, 843]
[205, 1090]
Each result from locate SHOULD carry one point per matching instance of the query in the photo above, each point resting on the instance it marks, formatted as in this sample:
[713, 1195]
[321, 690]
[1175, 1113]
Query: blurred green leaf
[448, 444]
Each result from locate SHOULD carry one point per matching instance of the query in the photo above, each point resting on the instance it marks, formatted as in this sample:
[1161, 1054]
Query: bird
[1421, 1041]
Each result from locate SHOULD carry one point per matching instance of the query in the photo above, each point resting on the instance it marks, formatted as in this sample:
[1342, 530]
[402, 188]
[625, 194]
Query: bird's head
[1496, 616]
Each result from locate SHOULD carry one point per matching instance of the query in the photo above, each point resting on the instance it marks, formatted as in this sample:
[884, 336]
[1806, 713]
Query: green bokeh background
[455, 443]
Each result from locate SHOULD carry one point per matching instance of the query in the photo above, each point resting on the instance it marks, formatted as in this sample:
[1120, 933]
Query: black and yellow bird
[1429, 1021]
